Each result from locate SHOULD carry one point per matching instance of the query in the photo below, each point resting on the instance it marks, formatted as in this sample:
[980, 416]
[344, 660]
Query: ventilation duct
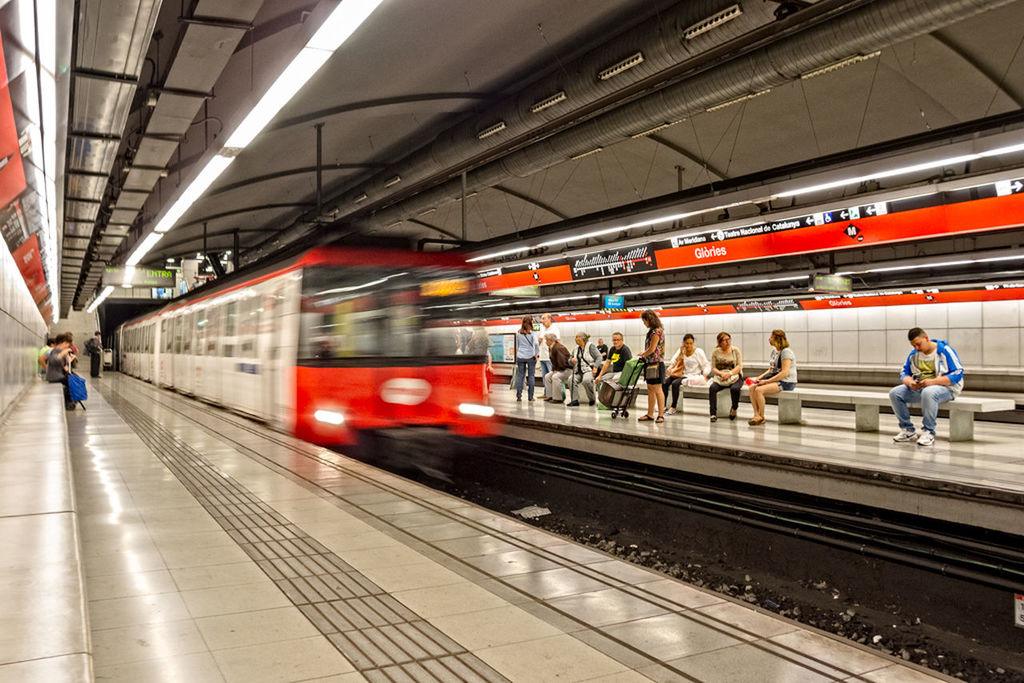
[861, 31]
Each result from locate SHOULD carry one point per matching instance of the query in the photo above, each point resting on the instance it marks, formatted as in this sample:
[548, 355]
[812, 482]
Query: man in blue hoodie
[932, 375]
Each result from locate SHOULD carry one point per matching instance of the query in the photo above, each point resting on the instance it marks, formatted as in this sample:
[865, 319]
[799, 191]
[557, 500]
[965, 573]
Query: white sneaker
[926, 439]
[905, 435]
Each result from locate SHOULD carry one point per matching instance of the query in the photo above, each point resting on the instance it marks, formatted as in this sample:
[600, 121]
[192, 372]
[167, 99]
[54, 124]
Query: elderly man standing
[546, 328]
[561, 371]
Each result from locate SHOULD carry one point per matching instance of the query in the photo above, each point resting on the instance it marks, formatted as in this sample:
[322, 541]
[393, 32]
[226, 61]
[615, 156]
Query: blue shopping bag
[76, 388]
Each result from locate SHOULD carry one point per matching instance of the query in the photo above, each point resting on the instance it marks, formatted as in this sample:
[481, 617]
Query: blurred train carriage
[324, 345]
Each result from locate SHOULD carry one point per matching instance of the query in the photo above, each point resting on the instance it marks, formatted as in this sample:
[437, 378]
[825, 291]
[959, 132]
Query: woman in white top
[688, 366]
[780, 375]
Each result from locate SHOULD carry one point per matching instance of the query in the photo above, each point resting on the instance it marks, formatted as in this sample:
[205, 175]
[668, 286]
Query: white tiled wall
[984, 334]
[22, 332]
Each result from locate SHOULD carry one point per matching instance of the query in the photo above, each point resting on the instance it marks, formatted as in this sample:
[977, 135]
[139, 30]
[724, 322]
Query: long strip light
[98, 300]
[938, 264]
[336, 29]
[855, 180]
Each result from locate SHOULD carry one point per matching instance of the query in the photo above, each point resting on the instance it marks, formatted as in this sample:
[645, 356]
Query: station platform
[978, 482]
[216, 549]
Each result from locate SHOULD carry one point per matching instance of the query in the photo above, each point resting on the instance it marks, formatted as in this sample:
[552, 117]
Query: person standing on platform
[546, 328]
[94, 347]
[654, 372]
[527, 350]
[726, 373]
[561, 369]
[780, 375]
[931, 375]
[603, 348]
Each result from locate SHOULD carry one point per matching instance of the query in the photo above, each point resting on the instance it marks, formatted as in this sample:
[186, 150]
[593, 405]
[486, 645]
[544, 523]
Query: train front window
[351, 312]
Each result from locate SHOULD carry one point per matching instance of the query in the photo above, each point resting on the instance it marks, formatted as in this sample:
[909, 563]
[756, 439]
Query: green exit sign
[832, 284]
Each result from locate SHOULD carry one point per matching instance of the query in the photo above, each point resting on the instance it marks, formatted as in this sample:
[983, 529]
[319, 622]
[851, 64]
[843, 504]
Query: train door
[247, 366]
[212, 361]
[271, 354]
[229, 351]
[198, 352]
[164, 359]
[188, 353]
[150, 347]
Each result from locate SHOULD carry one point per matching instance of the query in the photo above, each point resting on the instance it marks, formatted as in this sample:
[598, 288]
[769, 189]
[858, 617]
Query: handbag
[654, 373]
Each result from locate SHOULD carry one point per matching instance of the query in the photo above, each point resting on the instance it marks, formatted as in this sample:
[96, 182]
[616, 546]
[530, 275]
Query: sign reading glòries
[143, 277]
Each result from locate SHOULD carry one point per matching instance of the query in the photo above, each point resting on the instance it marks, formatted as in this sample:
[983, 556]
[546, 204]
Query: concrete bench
[867, 403]
[42, 585]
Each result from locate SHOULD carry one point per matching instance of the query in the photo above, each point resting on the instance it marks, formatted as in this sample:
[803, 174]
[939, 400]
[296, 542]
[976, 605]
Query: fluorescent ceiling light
[712, 22]
[548, 102]
[849, 61]
[491, 130]
[338, 26]
[742, 98]
[143, 248]
[915, 168]
[584, 155]
[628, 63]
[214, 167]
[341, 24]
[98, 300]
[938, 264]
[291, 80]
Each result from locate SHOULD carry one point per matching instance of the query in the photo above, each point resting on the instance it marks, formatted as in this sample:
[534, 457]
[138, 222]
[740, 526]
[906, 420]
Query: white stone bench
[867, 403]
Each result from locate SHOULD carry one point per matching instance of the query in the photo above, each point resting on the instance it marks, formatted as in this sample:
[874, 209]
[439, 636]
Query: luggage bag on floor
[76, 389]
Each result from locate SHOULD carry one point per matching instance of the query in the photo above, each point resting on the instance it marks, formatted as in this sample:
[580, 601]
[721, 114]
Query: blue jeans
[524, 371]
[545, 368]
[929, 398]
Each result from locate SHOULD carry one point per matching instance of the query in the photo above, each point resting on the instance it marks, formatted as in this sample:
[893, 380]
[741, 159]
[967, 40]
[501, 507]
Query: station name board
[143, 277]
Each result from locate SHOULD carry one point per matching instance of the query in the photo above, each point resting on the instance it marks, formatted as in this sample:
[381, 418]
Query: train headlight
[476, 409]
[331, 417]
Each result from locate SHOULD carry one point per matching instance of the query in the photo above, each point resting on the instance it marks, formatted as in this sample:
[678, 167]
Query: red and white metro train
[324, 344]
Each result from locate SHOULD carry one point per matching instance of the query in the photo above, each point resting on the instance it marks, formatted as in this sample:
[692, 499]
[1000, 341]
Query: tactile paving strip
[382, 638]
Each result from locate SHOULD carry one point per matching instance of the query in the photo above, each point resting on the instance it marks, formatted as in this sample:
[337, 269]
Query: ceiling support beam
[290, 172]
[980, 68]
[530, 200]
[382, 102]
[678, 149]
[435, 228]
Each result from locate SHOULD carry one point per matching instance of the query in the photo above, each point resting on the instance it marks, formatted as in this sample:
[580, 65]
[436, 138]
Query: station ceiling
[158, 87]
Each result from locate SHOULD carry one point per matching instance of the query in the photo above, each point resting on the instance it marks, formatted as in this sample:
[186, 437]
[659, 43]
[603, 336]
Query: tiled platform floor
[361, 575]
[993, 460]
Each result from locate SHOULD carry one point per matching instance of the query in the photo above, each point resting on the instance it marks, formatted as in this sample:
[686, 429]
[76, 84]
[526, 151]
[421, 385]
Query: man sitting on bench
[932, 375]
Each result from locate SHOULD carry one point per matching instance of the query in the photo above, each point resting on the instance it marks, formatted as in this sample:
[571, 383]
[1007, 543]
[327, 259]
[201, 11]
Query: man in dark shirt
[603, 348]
[616, 361]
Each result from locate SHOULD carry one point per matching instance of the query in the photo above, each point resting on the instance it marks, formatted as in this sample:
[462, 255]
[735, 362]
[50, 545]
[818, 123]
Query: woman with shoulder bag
[726, 373]
[654, 372]
[527, 349]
